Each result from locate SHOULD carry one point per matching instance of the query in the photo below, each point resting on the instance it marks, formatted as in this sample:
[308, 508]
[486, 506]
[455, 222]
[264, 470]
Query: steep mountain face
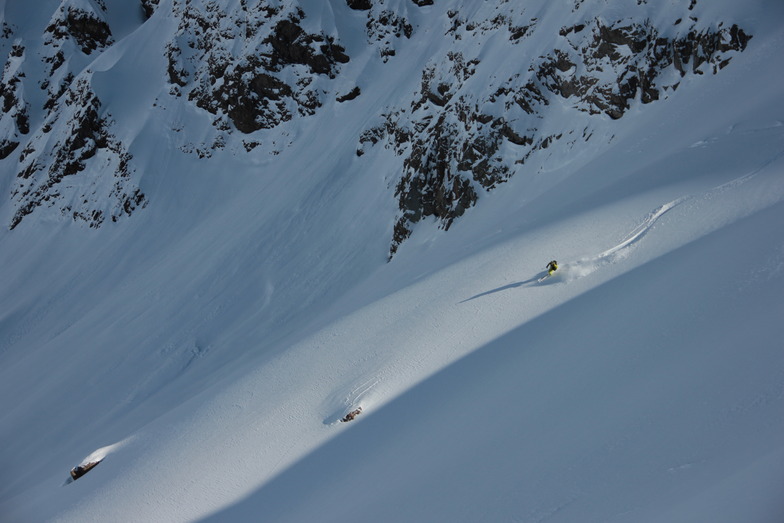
[253, 66]
[71, 163]
[15, 116]
[456, 142]
[280, 71]
[223, 232]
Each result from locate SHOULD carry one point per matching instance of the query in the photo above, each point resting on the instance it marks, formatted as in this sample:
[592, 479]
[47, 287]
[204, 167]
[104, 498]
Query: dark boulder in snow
[359, 5]
[80, 470]
[351, 415]
[351, 95]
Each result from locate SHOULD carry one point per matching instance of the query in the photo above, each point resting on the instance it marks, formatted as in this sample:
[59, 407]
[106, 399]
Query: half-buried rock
[80, 470]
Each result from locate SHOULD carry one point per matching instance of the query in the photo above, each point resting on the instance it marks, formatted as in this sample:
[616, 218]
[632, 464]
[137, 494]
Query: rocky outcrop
[71, 165]
[252, 65]
[359, 5]
[384, 27]
[72, 30]
[149, 7]
[14, 118]
[83, 468]
[351, 95]
[76, 142]
[252, 89]
[636, 56]
[88, 29]
[456, 143]
[351, 416]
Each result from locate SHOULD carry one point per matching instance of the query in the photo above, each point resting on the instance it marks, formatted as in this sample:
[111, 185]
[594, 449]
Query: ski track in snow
[583, 267]
[580, 268]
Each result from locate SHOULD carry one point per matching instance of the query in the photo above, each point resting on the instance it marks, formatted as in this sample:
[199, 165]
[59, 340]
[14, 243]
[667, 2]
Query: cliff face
[70, 162]
[281, 71]
[482, 114]
[456, 141]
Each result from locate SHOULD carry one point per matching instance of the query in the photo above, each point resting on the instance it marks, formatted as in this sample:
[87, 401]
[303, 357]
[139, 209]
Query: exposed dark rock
[84, 132]
[354, 93]
[13, 109]
[351, 415]
[518, 32]
[637, 55]
[292, 45]
[249, 88]
[359, 5]
[7, 147]
[80, 470]
[451, 149]
[453, 143]
[177, 75]
[248, 98]
[384, 27]
[87, 30]
[575, 28]
[149, 7]
[446, 158]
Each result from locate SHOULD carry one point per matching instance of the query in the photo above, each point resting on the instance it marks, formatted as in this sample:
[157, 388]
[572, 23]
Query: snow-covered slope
[226, 228]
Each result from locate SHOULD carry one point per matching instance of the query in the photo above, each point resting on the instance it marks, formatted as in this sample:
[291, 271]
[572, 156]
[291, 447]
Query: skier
[552, 267]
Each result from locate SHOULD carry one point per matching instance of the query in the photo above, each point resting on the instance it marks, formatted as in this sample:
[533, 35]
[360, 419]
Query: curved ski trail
[589, 264]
